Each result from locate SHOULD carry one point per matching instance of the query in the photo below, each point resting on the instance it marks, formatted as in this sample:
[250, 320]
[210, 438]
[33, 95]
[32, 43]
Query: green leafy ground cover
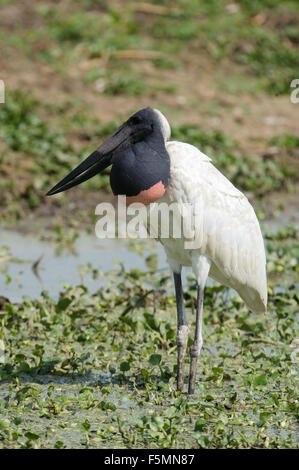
[98, 370]
[50, 156]
[67, 64]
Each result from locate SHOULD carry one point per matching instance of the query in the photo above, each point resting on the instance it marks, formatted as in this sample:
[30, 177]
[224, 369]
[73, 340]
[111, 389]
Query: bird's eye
[135, 120]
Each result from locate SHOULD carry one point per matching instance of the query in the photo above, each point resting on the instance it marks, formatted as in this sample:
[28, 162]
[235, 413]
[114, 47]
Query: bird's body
[228, 231]
[148, 168]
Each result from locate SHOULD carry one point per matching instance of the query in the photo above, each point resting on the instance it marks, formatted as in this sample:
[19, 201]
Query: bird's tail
[256, 299]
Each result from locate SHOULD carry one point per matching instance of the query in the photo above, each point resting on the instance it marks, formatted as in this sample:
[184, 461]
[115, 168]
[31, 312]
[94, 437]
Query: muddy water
[17, 277]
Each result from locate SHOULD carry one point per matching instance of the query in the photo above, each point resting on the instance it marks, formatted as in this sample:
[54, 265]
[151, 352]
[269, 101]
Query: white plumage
[228, 230]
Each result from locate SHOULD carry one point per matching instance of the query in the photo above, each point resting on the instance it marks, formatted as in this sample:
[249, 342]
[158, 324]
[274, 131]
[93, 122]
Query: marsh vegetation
[93, 364]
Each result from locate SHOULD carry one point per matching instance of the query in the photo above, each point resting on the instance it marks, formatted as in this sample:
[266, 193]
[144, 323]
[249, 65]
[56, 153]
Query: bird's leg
[201, 267]
[183, 330]
[197, 344]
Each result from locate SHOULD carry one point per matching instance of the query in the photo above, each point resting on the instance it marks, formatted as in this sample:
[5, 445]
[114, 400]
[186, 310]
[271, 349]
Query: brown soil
[248, 118]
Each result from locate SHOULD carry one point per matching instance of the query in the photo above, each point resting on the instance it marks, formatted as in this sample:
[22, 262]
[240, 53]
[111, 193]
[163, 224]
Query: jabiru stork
[147, 167]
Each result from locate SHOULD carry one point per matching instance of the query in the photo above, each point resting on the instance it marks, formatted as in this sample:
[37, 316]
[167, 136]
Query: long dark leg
[183, 330]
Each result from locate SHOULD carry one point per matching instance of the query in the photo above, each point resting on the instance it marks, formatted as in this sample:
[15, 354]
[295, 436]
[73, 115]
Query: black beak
[100, 159]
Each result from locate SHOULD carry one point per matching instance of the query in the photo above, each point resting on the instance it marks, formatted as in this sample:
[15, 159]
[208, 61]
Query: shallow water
[55, 269]
[17, 277]
[287, 217]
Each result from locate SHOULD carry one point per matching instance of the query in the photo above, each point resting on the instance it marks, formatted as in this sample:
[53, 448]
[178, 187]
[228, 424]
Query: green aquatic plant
[98, 369]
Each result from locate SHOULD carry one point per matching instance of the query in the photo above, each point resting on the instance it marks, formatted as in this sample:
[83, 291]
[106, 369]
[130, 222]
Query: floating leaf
[260, 380]
[155, 359]
[124, 366]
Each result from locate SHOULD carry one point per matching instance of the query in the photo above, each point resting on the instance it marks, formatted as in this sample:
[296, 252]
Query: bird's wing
[227, 228]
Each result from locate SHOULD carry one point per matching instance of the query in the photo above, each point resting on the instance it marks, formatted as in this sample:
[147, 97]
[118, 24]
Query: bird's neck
[142, 171]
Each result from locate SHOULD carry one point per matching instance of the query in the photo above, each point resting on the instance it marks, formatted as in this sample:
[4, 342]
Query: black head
[149, 118]
[146, 124]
